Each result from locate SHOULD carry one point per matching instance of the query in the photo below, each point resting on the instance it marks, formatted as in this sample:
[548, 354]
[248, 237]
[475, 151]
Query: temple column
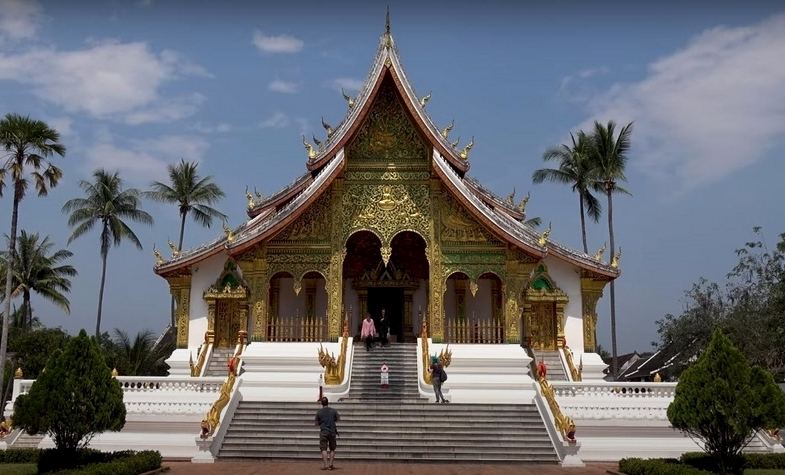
[180, 289]
[256, 273]
[408, 326]
[437, 283]
[334, 285]
[517, 275]
[591, 291]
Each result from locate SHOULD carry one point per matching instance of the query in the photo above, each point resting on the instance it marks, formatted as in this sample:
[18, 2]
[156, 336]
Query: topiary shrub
[722, 401]
[19, 456]
[636, 466]
[120, 463]
[73, 399]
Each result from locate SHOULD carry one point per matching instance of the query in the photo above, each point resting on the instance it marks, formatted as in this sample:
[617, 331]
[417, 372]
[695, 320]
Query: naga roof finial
[388, 41]
[511, 198]
[349, 99]
[598, 255]
[317, 141]
[544, 236]
[328, 128]
[249, 196]
[455, 144]
[311, 151]
[615, 260]
[465, 152]
[424, 99]
[524, 201]
[446, 131]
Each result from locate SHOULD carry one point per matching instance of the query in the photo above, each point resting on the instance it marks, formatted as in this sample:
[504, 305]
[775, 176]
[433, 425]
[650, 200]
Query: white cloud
[61, 124]
[19, 19]
[707, 110]
[350, 84]
[277, 44]
[276, 121]
[284, 87]
[167, 110]
[106, 80]
[143, 161]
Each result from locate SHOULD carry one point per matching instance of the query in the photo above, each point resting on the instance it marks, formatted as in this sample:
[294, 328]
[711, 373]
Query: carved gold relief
[386, 209]
[313, 224]
[388, 133]
[591, 292]
[180, 288]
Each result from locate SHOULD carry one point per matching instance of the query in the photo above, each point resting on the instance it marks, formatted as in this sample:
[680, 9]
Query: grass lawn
[18, 469]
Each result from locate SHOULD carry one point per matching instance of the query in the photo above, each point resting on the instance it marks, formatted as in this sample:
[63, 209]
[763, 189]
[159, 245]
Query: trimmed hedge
[133, 464]
[19, 456]
[695, 463]
[636, 466]
[755, 461]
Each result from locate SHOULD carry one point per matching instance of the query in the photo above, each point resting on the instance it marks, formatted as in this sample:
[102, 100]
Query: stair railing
[574, 372]
[335, 369]
[212, 419]
[563, 423]
[426, 363]
[196, 369]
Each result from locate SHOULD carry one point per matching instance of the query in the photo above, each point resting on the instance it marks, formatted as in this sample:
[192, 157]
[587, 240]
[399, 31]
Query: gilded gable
[388, 134]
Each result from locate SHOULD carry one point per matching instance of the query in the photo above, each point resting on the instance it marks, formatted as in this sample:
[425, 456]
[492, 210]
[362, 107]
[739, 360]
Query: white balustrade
[173, 395]
[614, 401]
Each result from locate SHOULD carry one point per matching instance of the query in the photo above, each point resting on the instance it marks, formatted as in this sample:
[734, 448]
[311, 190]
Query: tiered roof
[277, 211]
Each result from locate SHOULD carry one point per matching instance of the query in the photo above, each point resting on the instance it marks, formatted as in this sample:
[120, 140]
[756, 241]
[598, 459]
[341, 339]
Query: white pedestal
[593, 367]
[179, 362]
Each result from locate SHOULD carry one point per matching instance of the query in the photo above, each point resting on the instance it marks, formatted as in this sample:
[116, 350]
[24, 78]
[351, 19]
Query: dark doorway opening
[391, 300]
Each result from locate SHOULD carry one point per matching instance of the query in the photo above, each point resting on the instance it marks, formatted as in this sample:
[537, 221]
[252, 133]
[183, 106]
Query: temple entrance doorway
[397, 283]
[391, 300]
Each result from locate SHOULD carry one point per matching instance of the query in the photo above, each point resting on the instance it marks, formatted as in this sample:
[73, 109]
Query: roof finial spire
[388, 41]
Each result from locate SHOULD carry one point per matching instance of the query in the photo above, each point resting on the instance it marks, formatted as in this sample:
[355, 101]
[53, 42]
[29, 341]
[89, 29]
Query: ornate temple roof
[272, 214]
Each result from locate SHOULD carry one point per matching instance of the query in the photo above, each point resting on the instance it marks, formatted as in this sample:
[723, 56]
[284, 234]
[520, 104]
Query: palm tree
[38, 270]
[142, 357]
[107, 203]
[192, 194]
[610, 157]
[577, 169]
[25, 145]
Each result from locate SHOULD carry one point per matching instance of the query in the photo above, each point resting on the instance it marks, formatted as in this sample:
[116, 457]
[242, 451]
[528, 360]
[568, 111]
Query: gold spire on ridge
[387, 37]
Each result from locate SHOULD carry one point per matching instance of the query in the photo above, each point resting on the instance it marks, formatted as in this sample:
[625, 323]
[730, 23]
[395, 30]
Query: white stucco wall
[202, 277]
[567, 278]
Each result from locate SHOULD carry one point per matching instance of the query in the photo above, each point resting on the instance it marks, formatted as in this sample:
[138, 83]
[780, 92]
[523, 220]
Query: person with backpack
[438, 376]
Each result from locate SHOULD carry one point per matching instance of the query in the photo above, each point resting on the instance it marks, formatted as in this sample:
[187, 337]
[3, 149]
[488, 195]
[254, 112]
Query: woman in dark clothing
[384, 329]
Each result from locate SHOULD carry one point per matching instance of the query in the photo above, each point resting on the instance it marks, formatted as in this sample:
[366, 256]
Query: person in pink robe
[368, 332]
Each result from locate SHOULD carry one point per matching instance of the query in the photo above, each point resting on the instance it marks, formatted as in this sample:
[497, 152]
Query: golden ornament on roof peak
[598, 255]
[228, 231]
[545, 235]
[159, 259]
[524, 201]
[424, 99]
[465, 152]
[309, 148]
[615, 260]
[511, 198]
[328, 128]
[446, 131]
[174, 249]
[249, 197]
[455, 144]
[349, 99]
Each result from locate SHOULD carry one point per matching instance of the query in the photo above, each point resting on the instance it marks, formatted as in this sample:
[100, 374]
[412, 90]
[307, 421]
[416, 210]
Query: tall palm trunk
[583, 223]
[615, 361]
[9, 280]
[28, 306]
[179, 248]
[104, 254]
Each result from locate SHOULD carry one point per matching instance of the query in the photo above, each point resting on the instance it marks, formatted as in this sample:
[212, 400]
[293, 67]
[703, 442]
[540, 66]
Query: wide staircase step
[400, 358]
[392, 431]
[553, 363]
[218, 364]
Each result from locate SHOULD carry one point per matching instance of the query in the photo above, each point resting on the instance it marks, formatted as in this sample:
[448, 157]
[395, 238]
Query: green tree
[74, 399]
[38, 269]
[610, 157]
[193, 195]
[577, 169]
[142, 357]
[26, 146]
[109, 204]
[722, 402]
[34, 347]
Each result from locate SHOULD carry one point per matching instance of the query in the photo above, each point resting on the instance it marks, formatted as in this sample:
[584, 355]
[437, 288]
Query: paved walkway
[365, 468]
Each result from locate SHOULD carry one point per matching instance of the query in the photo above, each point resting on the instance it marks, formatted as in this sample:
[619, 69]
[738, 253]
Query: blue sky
[133, 86]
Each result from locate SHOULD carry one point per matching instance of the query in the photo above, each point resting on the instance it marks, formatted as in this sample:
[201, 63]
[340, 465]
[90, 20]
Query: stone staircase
[27, 441]
[552, 359]
[391, 424]
[218, 364]
[401, 358]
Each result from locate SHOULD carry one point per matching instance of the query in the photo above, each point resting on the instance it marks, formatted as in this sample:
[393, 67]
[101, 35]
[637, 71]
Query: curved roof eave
[513, 231]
